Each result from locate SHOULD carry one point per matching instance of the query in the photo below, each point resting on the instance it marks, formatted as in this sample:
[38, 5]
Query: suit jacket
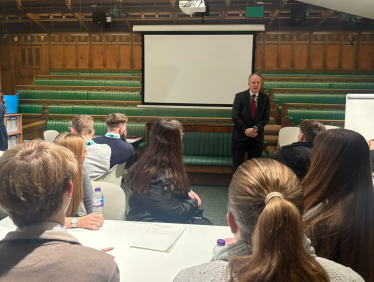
[52, 256]
[242, 115]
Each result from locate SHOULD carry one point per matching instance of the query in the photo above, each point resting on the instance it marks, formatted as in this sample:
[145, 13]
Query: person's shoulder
[97, 264]
[338, 272]
[243, 93]
[211, 271]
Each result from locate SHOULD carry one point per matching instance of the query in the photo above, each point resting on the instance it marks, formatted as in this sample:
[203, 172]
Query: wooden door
[30, 63]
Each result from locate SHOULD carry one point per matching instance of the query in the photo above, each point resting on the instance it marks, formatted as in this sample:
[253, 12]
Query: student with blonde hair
[36, 190]
[265, 215]
[81, 202]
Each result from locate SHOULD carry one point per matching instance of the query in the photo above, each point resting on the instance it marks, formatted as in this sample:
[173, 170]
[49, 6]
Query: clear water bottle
[220, 245]
[98, 201]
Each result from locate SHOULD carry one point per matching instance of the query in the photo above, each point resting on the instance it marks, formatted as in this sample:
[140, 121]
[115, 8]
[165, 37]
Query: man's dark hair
[310, 129]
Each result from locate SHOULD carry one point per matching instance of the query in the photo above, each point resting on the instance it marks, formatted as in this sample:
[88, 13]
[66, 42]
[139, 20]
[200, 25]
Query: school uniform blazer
[242, 115]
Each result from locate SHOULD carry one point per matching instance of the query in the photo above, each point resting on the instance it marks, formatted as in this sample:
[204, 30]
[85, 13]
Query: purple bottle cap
[220, 242]
[97, 189]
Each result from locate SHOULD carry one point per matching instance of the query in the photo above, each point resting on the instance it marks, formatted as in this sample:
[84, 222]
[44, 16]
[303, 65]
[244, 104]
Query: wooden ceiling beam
[79, 18]
[35, 20]
[225, 9]
[275, 15]
[328, 14]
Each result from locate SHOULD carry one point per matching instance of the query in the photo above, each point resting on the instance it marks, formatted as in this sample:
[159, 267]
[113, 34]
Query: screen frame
[253, 33]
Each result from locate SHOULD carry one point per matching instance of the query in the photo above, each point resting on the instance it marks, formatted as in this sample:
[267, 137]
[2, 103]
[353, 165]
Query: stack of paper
[159, 237]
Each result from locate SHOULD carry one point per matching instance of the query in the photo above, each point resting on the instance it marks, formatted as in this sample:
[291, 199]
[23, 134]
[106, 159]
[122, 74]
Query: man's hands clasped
[250, 132]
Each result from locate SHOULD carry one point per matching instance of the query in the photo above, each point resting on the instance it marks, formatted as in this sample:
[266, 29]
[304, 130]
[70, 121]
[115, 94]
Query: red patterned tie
[253, 106]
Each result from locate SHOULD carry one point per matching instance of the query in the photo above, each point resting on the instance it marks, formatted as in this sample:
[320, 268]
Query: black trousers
[239, 148]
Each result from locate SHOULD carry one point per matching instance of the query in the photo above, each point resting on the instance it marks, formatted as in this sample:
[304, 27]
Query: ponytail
[265, 198]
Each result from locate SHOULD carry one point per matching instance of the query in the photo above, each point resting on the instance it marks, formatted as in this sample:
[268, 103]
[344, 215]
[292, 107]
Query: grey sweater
[87, 192]
[217, 268]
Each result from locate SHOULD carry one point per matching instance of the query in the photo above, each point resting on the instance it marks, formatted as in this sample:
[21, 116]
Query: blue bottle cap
[220, 242]
[97, 189]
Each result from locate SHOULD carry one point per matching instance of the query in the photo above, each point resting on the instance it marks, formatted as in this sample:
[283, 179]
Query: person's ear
[69, 189]
[93, 133]
[232, 223]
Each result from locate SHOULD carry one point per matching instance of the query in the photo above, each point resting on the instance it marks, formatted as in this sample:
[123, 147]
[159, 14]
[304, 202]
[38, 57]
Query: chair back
[50, 135]
[114, 200]
[287, 136]
[114, 175]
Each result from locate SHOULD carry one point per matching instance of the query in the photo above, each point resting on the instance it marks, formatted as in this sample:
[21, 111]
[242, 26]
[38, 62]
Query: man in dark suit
[250, 114]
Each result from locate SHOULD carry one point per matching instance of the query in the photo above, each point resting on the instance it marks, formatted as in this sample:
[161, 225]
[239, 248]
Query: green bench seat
[297, 114]
[53, 94]
[78, 82]
[308, 98]
[352, 85]
[80, 95]
[30, 109]
[114, 96]
[295, 84]
[332, 75]
[95, 73]
[100, 127]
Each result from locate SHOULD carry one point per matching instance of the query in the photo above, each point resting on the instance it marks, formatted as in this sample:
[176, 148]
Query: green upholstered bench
[77, 82]
[293, 84]
[30, 109]
[295, 115]
[206, 148]
[332, 75]
[53, 94]
[281, 98]
[79, 95]
[100, 128]
[95, 73]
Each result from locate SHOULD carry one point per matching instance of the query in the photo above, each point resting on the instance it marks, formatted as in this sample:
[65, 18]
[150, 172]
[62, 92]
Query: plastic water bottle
[220, 245]
[98, 201]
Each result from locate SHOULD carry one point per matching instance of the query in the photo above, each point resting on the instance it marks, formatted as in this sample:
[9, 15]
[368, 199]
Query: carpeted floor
[213, 201]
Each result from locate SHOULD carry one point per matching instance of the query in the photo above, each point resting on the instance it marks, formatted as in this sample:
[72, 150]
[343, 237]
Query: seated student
[116, 139]
[36, 190]
[160, 189]
[339, 197]
[264, 214]
[98, 159]
[371, 147]
[297, 155]
[81, 202]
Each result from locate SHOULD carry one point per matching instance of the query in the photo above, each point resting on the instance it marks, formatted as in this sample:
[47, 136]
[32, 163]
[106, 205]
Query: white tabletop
[194, 247]
[133, 140]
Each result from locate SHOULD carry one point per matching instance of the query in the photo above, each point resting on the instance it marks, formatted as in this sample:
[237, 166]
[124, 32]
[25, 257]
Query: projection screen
[195, 69]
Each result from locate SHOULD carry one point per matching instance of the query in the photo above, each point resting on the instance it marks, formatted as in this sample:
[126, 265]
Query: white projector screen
[195, 69]
[359, 114]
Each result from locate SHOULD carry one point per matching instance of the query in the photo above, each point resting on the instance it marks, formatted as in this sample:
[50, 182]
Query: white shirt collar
[250, 92]
[43, 226]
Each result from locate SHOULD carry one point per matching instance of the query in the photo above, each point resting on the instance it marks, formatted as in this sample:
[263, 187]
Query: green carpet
[213, 201]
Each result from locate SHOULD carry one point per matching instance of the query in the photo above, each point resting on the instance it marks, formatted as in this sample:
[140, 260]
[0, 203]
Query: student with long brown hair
[82, 194]
[265, 215]
[339, 201]
[3, 131]
[160, 189]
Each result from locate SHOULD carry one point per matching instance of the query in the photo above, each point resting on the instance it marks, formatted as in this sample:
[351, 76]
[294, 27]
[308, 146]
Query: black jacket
[159, 205]
[242, 115]
[296, 156]
[372, 159]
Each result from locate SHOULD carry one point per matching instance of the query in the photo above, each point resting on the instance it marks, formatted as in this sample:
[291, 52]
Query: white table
[194, 247]
[133, 140]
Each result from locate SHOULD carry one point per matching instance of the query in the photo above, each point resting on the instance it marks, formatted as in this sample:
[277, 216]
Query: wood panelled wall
[275, 51]
[38, 54]
[338, 51]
